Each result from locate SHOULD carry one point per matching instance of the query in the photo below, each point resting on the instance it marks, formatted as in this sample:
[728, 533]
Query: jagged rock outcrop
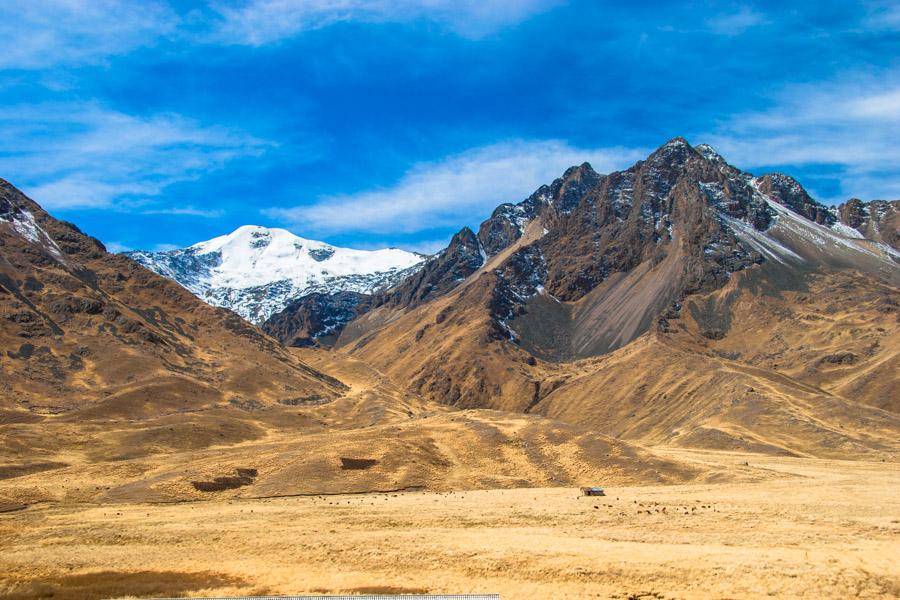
[440, 274]
[508, 221]
[684, 216]
[877, 220]
[630, 217]
[787, 191]
[315, 319]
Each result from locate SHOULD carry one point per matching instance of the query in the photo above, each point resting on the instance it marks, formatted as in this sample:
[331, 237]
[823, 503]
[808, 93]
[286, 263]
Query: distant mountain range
[586, 229]
[257, 271]
[304, 292]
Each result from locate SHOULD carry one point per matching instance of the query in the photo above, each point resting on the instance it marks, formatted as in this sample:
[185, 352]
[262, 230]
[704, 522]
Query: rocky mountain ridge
[678, 302]
[594, 228]
[92, 333]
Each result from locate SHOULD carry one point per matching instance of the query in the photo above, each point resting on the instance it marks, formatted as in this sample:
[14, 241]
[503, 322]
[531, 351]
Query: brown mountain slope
[311, 319]
[375, 437]
[445, 350]
[778, 381]
[812, 371]
[835, 331]
[86, 330]
[692, 400]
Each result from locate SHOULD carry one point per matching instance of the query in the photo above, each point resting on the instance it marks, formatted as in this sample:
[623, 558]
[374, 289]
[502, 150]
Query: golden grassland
[102, 501]
[805, 528]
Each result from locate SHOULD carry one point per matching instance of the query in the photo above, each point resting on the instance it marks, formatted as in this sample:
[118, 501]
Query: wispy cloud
[883, 15]
[38, 34]
[851, 125]
[261, 22]
[878, 106]
[165, 247]
[120, 247]
[44, 33]
[83, 155]
[459, 189]
[117, 247]
[735, 23]
[426, 246]
[190, 211]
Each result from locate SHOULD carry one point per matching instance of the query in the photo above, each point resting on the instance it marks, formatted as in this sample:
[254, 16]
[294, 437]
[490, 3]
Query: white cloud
[430, 246]
[78, 191]
[83, 155]
[851, 126]
[116, 247]
[190, 211]
[459, 189]
[38, 34]
[876, 106]
[165, 247]
[261, 22]
[42, 33]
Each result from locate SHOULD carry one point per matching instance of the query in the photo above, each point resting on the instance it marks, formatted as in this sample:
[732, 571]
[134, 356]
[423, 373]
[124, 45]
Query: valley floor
[806, 529]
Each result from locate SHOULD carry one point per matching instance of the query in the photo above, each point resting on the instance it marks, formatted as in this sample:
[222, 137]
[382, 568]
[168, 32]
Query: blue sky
[371, 123]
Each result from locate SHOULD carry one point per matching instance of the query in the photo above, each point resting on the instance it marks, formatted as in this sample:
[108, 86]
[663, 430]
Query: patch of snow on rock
[24, 224]
[846, 231]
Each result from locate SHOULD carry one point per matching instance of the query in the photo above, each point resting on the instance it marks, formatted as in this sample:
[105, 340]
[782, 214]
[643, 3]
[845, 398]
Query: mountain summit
[656, 303]
[602, 256]
[256, 271]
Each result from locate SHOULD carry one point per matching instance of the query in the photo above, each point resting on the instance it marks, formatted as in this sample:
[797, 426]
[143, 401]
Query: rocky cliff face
[508, 221]
[787, 191]
[440, 274]
[597, 225]
[316, 319]
[685, 215]
[677, 197]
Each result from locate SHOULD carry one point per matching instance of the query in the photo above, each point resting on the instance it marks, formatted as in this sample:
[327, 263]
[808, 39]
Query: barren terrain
[795, 527]
[743, 415]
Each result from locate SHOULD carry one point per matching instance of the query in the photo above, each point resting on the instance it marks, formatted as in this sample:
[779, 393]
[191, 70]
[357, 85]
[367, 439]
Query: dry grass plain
[805, 528]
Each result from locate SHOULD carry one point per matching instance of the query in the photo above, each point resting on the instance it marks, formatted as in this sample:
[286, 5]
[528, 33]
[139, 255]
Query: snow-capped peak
[256, 271]
[708, 152]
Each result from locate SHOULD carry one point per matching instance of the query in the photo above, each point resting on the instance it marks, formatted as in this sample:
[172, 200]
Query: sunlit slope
[374, 437]
[86, 330]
